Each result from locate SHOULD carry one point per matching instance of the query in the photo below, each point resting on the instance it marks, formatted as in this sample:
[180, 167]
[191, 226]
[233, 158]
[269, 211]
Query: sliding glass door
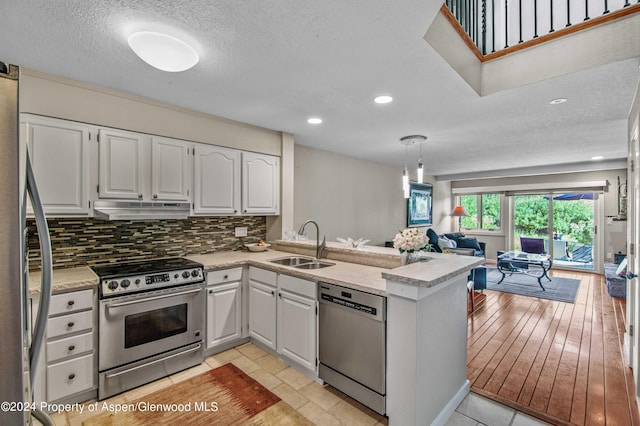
[565, 220]
[530, 223]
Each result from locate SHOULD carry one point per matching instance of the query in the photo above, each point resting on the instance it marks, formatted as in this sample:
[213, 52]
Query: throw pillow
[469, 242]
[444, 242]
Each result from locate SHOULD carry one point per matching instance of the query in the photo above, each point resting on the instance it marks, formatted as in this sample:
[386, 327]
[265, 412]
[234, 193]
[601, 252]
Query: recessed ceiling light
[597, 157]
[558, 101]
[314, 120]
[382, 99]
[163, 51]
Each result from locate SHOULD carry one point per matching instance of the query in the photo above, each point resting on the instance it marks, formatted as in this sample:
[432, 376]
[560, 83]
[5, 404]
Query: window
[484, 211]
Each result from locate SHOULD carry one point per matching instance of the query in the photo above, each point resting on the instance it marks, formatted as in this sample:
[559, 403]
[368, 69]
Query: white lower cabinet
[71, 345]
[224, 306]
[262, 306]
[283, 315]
[297, 328]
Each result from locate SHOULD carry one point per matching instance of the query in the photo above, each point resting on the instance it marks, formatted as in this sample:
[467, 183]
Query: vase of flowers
[410, 242]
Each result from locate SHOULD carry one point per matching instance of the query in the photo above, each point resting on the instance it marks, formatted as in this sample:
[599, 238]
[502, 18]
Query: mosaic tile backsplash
[86, 241]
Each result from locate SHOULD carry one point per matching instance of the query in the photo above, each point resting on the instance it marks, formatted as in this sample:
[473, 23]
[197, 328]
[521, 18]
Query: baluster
[484, 27]
[586, 10]
[463, 11]
[568, 13]
[493, 25]
[535, 18]
[474, 22]
[506, 23]
[551, 15]
[606, 7]
[520, 20]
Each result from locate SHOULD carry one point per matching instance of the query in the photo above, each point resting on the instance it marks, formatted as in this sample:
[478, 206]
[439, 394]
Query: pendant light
[420, 167]
[406, 141]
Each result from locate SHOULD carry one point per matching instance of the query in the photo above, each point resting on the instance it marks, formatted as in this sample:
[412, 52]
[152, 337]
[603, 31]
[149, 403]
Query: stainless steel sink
[292, 260]
[314, 265]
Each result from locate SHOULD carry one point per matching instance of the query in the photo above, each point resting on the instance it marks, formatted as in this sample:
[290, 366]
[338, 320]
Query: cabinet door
[59, 152]
[224, 313]
[216, 181]
[260, 184]
[170, 169]
[297, 328]
[121, 164]
[262, 313]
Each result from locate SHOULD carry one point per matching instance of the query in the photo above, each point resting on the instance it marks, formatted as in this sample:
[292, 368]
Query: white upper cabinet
[216, 180]
[170, 169]
[59, 152]
[121, 165]
[260, 184]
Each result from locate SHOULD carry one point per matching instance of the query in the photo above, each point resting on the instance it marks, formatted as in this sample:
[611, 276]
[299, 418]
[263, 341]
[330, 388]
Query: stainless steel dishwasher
[353, 336]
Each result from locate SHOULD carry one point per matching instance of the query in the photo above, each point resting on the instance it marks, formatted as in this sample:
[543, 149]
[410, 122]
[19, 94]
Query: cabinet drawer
[262, 275]
[224, 276]
[69, 377]
[71, 302]
[71, 323]
[298, 286]
[59, 349]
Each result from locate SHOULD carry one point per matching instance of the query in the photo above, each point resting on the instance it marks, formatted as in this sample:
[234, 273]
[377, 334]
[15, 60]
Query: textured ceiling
[274, 63]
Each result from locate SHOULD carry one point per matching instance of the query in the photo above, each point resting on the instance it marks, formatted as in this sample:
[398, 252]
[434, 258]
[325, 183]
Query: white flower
[411, 239]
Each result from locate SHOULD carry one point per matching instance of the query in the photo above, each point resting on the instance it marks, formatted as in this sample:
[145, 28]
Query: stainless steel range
[151, 321]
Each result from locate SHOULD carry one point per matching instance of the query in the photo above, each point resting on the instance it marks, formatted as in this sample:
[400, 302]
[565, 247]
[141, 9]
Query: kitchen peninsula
[426, 315]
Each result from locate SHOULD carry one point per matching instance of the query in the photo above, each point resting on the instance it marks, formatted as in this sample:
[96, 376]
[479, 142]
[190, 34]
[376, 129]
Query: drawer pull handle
[210, 291]
[72, 376]
[273, 293]
[71, 302]
[226, 277]
[70, 324]
[72, 347]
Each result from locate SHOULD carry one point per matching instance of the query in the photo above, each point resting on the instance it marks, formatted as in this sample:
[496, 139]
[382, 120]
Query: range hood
[138, 210]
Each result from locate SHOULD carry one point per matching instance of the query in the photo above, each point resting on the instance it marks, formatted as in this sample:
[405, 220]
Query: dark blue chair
[532, 245]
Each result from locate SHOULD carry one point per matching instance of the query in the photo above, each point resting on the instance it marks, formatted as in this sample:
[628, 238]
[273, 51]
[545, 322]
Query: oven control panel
[137, 283]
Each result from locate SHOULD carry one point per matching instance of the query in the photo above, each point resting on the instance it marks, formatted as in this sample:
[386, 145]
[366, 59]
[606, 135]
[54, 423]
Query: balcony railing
[494, 25]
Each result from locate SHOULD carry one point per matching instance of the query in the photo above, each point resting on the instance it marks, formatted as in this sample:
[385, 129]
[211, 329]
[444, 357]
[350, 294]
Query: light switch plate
[241, 231]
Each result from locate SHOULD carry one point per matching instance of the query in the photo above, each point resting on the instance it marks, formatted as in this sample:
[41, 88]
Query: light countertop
[381, 264]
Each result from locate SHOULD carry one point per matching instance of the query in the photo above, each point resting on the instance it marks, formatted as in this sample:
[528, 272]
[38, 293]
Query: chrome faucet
[319, 247]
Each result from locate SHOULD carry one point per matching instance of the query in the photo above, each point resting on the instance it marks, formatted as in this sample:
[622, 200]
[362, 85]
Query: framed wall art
[420, 204]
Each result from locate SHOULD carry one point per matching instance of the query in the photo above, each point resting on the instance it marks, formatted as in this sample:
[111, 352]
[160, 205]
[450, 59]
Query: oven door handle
[128, 370]
[147, 299]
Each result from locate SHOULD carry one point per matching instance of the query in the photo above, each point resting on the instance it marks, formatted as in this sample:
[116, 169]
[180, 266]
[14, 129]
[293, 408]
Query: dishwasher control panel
[348, 304]
[371, 305]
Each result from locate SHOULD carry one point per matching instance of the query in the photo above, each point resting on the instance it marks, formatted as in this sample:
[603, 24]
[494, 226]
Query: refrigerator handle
[47, 271]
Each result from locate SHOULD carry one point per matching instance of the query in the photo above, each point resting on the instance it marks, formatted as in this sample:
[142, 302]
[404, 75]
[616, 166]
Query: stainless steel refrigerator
[20, 346]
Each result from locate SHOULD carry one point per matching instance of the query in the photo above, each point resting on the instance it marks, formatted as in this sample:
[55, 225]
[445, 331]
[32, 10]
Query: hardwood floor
[560, 362]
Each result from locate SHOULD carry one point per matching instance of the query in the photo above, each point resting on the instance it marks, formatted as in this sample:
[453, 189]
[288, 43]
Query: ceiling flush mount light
[406, 141]
[314, 120]
[383, 99]
[597, 157]
[163, 51]
[558, 101]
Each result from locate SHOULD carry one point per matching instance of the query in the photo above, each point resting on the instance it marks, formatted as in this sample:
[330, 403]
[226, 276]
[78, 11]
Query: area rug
[223, 396]
[560, 289]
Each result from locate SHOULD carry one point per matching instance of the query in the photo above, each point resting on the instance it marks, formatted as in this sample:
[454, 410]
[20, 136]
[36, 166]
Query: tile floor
[322, 405]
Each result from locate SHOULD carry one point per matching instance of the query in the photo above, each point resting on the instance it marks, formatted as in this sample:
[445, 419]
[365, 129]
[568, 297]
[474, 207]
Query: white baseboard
[451, 406]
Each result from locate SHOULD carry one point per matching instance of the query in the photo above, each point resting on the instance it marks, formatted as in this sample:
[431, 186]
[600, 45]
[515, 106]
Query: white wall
[350, 197]
[59, 97]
